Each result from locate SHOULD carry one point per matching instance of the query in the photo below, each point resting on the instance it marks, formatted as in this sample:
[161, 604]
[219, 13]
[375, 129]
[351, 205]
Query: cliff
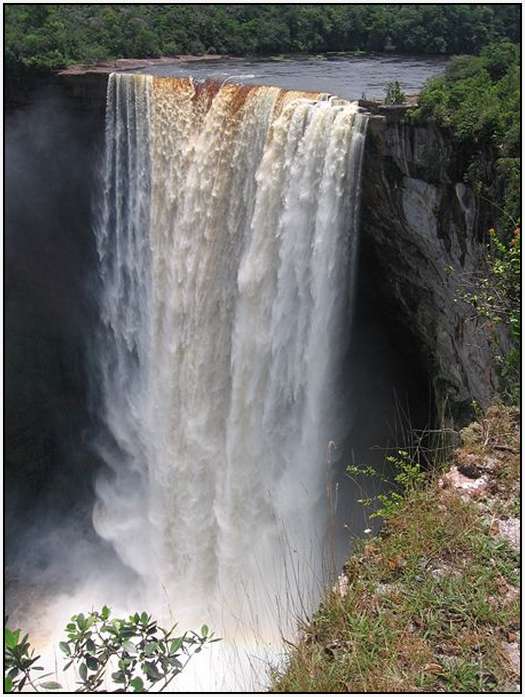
[421, 235]
[52, 145]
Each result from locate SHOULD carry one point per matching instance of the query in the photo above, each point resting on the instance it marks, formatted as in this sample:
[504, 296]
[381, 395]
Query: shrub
[479, 98]
[408, 476]
[142, 655]
[197, 48]
[394, 93]
[495, 296]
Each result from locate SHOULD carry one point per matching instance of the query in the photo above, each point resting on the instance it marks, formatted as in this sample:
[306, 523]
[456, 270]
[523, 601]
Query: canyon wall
[421, 233]
[51, 150]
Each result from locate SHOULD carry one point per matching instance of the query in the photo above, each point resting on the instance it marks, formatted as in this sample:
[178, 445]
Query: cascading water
[227, 240]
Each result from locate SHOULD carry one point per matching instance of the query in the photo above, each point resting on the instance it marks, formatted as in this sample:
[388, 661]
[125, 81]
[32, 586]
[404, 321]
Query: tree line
[46, 37]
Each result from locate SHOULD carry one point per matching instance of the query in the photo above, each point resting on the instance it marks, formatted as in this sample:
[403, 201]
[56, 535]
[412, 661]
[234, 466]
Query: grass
[430, 602]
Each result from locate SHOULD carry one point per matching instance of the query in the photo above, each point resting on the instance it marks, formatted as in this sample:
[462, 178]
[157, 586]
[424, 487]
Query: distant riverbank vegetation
[48, 37]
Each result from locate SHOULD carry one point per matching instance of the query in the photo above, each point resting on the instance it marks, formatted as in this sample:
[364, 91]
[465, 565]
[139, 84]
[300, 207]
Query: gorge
[253, 246]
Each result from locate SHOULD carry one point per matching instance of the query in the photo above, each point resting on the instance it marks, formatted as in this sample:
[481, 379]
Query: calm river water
[351, 77]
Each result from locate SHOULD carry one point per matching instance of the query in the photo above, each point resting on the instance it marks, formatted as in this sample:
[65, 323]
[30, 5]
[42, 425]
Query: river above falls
[350, 77]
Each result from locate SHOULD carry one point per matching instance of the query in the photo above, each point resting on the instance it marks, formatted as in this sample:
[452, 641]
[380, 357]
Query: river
[350, 77]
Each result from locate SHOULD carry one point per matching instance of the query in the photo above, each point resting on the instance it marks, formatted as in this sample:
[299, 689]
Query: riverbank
[125, 64]
[132, 64]
[433, 603]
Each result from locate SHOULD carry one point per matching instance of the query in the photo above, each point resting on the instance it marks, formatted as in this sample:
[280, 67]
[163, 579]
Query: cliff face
[421, 238]
[51, 148]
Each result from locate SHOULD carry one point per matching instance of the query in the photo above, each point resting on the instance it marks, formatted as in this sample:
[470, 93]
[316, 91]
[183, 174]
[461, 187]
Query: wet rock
[421, 233]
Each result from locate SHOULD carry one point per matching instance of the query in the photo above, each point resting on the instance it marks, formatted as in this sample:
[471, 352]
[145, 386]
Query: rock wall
[51, 149]
[421, 239]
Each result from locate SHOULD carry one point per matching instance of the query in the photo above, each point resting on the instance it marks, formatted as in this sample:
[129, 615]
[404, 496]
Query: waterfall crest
[227, 240]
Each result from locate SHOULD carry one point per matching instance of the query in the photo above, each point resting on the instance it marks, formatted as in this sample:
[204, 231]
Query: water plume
[227, 238]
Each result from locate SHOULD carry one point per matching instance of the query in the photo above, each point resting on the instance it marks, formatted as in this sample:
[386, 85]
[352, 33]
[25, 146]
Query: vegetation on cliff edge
[432, 603]
[479, 100]
[478, 97]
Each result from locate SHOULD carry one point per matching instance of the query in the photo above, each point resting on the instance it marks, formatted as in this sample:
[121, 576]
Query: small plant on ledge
[394, 94]
[408, 475]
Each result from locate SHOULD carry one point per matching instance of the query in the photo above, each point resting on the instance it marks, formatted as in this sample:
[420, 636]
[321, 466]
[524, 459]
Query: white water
[227, 240]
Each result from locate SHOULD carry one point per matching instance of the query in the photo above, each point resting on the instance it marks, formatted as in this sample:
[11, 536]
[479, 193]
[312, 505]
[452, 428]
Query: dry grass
[431, 603]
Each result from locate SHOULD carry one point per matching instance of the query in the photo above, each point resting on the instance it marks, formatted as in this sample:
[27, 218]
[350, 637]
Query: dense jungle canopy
[53, 36]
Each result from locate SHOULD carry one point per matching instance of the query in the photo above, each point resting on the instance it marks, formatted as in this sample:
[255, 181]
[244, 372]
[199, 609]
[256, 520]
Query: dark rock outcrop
[421, 237]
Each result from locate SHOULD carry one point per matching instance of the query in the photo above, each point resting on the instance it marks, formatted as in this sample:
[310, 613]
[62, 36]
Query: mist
[49, 316]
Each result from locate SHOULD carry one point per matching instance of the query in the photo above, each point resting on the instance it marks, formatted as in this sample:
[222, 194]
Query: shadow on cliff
[50, 151]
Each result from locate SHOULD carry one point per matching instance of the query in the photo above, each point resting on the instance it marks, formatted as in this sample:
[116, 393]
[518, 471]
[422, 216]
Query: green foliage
[52, 36]
[394, 93]
[495, 296]
[141, 655]
[508, 188]
[429, 605]
[478, 97]
[20, 665]
[408, 476]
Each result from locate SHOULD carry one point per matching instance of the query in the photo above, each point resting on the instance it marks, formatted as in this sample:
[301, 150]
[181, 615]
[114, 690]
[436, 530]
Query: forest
[48, 37]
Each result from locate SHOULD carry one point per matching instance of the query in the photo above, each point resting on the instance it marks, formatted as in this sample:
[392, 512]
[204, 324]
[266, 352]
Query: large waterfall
[227, 238]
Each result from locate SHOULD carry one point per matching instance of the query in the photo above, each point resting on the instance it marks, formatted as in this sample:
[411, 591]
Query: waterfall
[227, 237]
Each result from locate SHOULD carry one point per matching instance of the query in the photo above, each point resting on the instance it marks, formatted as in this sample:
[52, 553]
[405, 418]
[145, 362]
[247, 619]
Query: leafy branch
[408, 475]
[141, 655]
